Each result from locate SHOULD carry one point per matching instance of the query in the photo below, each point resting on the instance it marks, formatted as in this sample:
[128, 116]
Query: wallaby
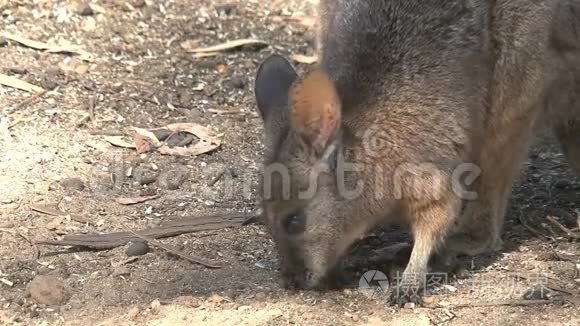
[418, 113]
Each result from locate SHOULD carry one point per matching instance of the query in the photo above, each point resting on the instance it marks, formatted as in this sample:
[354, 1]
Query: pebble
[180, 139]
[132, 313]
[185, 97]
[173, 179]
[50, 79]
[72, 184]
[244, 308]
[47, 290]
[155, 306]
[147, 178]
[162, 134]
[138, 3]
[3, 41]
[409, 305]
[137, 248]
[83, 8]
[237, 82]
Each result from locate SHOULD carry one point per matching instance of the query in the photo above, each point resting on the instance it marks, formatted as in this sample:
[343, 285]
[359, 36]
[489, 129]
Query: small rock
[138, 248]
[450, 288]
[138, 3]
[18, 70]
[72, 184]
[132, 313]
[409, 305]
[226, 9]
[237, 82]
[538, 292]
[185, 97]
[180, 139]
[428, 300]
[89, 25]
[244, 308]
[83, 8]
[3, 41]
[172, 180]
[147, 178]
[155, 305]
[50, 79]
[47, 290]
[162, 134]
[121, 271]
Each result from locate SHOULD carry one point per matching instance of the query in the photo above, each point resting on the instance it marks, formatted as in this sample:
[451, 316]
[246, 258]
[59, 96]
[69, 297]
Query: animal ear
[273, 81]
[315, 112]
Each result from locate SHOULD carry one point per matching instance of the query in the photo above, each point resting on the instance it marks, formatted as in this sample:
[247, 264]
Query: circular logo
[373, 284]
[375, 141]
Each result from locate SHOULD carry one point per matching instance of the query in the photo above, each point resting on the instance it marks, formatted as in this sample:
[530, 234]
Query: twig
[29, 100]
[168, 229]
[531, 229]
[568, 232]
[174, 251]
[550, 284]
[92, 104]
[516, 302]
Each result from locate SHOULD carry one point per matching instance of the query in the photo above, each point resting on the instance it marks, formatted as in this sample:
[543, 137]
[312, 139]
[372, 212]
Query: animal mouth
[307, 280]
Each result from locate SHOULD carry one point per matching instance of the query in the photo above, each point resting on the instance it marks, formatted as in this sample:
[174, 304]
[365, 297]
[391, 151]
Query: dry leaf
[142, 144]
[197, 130]
[307, 59]
[47, 210]
[208, 140]
[19, 84]
[26, 42]
[134, 200]
[144, 140]
[147, 134]
[62, 48]
[229, 45]
[119, 141]
[200, 148]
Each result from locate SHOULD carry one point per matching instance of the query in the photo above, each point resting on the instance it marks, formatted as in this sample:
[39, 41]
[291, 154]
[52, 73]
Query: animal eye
[295, 223]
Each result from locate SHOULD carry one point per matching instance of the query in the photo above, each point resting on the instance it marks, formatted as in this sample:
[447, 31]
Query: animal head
[300, 194]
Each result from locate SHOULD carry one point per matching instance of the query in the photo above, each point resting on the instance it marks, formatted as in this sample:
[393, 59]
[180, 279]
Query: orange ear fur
[315, 110]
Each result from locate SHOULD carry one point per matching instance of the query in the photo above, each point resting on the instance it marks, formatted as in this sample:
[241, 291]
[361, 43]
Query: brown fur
[421, 88]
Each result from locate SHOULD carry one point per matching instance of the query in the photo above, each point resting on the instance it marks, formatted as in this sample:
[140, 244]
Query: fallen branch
[531, 229]
[169, 229]
[175, 251]
[550, 284]
[29, 100]
[569, 233]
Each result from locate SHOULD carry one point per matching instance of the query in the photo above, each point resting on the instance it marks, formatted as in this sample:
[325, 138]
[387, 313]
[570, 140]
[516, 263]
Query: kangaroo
[418, 113]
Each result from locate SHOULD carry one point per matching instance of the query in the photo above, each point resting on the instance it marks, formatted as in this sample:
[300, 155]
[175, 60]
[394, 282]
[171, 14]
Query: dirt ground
[142, 75]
